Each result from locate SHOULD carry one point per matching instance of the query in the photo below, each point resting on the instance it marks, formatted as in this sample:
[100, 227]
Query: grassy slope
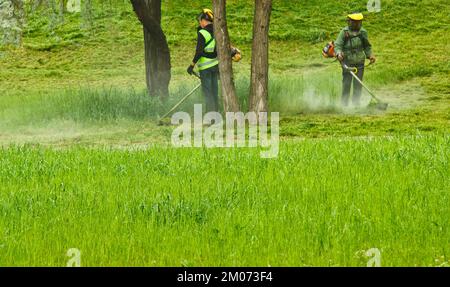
[412, 71]
[113, 47]
[413, 67]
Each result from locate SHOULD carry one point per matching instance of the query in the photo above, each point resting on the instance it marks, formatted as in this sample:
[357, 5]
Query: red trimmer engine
[328, 51]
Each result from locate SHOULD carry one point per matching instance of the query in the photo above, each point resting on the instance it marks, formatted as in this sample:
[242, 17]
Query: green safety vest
[205, 62]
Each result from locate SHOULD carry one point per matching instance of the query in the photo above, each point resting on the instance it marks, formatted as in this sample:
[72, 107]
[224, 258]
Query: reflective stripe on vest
[204, 62]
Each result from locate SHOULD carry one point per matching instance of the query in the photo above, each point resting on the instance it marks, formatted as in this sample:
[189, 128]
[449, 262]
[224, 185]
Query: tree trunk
[62, 9]
[12, 19]
[230, 102]
[157, 53]
[260, 57]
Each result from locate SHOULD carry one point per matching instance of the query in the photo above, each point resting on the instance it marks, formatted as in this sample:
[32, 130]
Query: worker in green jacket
[352, 47]
[206, 60]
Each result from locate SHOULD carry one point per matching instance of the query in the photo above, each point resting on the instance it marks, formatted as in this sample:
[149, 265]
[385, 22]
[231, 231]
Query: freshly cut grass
[322, 202]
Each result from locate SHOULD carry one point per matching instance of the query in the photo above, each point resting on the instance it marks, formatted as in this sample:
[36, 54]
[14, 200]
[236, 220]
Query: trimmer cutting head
[375, 100]
[379, 105]
[163, 121]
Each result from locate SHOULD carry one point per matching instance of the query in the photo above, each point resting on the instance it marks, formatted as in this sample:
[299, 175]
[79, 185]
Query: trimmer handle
[347, 68]
[352, 69]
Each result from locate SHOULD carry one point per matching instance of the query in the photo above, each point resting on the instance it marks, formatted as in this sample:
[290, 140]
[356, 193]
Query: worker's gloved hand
[340, 56]
[190, 69]
[372, 59]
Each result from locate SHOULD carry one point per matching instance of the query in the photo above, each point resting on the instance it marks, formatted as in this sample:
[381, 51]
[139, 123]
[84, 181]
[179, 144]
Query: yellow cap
[209, 13]
[356, 16]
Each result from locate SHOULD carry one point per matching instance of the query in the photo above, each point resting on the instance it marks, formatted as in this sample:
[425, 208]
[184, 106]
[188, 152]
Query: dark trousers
[210, 87]
[347, 84]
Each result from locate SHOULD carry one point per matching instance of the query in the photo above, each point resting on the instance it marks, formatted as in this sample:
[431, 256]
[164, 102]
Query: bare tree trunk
[157, 53]
[62, 9]
[260, 57]
[12, 20]
[230, 102]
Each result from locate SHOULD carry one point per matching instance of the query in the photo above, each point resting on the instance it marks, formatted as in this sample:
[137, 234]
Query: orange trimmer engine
[328, 51]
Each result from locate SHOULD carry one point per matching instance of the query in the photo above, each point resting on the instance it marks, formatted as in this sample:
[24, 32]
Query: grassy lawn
[84, 164]
[319, 204]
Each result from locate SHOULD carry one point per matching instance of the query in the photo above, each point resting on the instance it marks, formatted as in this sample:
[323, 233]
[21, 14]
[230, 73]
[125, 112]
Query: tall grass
[84, 105]
[288, 95]
[320, 203]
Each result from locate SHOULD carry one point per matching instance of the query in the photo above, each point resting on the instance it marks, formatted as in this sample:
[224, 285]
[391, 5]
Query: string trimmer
[181, 101]
[379, 104]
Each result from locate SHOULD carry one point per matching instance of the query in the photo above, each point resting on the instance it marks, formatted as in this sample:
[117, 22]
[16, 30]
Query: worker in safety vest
[206, 60]
[352, 47]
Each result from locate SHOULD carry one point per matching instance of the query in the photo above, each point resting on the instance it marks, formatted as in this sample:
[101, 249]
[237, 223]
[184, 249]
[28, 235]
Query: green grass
[121, 117]
[111, 51]
[83, 163]
[319, 204]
